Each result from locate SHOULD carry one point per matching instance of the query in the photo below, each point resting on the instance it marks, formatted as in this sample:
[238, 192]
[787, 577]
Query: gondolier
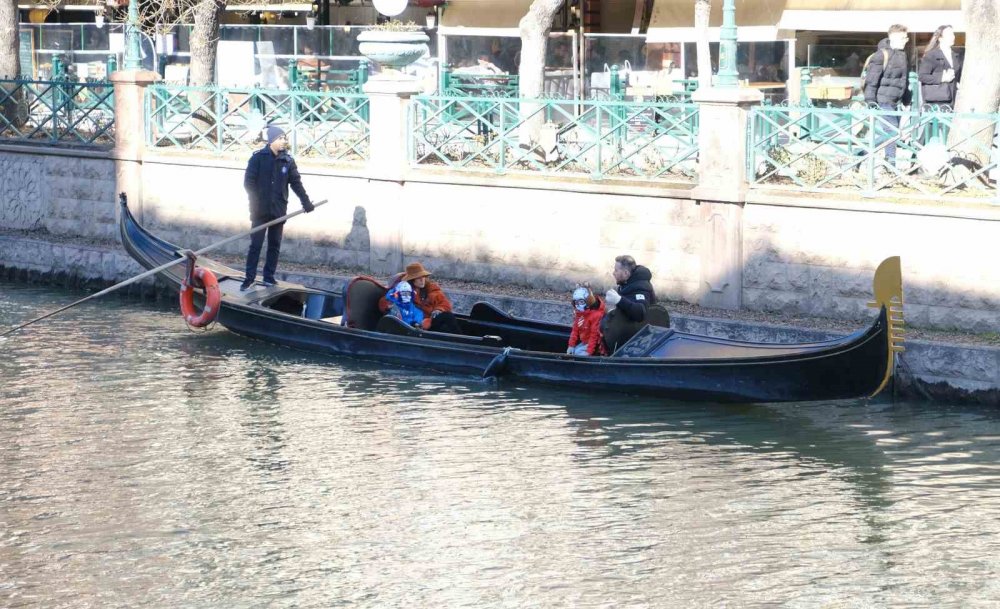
[269, 173]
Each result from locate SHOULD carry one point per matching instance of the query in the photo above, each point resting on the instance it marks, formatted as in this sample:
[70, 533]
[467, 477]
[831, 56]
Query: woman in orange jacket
[431, 299]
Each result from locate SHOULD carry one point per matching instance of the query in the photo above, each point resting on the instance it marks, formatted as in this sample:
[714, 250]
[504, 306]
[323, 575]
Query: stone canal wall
[794, 255]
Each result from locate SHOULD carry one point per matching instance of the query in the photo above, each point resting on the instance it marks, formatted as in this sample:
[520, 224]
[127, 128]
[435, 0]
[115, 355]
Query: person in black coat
[940, 69]
[887, 81]
[269, 174]
[635, 292]
[628, 304]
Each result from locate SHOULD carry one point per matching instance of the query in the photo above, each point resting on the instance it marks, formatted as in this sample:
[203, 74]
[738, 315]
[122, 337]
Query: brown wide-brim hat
[415, 271]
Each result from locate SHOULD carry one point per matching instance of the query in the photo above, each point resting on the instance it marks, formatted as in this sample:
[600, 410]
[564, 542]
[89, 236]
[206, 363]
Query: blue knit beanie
[273, 133]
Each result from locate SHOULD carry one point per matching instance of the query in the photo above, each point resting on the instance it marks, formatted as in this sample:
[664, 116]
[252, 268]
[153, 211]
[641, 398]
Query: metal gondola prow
[888, 290]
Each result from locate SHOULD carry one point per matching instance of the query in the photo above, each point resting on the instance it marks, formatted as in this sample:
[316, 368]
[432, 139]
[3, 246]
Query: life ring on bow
[213, 298]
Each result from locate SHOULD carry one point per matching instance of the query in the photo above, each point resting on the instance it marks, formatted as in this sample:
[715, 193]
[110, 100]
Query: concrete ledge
[439, 175]
[927, 370]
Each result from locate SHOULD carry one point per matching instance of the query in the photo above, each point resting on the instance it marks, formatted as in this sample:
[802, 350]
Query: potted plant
[393, 44]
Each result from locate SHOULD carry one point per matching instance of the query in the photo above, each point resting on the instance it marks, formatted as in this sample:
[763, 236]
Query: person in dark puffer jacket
[940, 69]
[269, 173]
[887, 82]
[627, 305]
[635, 292]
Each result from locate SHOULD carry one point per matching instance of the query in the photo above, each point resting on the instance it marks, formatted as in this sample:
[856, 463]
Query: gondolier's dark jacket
[637, 294]
[266, 181]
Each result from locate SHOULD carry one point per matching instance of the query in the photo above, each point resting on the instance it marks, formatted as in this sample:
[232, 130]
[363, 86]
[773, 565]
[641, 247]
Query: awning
[483, 17]
[872, 15]
[756, 20]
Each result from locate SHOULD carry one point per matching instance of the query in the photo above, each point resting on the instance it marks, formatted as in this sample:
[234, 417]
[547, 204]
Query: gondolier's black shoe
[269, 282]
[246, 285]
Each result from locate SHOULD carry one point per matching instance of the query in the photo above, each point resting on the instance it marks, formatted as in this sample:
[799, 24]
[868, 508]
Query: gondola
[657, 360]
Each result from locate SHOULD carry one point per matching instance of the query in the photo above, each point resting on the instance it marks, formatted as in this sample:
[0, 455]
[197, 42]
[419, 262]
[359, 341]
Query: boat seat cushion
[361, 303]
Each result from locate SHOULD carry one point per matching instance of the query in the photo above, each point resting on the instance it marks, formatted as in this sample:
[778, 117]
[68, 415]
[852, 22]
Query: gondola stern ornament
[887, 287]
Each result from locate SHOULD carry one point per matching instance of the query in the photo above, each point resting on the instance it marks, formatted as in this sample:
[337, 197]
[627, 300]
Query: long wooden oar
[162, 267]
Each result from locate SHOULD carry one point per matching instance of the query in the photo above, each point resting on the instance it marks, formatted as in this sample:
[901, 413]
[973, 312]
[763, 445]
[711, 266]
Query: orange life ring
[213, 298]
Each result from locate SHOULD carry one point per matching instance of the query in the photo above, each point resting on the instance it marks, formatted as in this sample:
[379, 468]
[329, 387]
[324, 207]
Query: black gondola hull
[851, 367]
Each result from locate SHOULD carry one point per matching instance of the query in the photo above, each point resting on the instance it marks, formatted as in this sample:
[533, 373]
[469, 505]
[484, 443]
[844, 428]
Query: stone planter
[393, 49]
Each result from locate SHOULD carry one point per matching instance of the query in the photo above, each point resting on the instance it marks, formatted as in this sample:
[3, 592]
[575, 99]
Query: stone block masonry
[68, 194]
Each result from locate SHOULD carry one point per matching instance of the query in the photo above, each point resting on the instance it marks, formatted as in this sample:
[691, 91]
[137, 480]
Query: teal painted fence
[332, 126]
[597, 139]
[938, 154]
[57, 112]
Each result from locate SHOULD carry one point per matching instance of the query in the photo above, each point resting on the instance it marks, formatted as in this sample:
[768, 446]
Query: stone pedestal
[722, 174]
[388, 163]
[389, 100]
[721, 191]
[721, 280]
[130, 133]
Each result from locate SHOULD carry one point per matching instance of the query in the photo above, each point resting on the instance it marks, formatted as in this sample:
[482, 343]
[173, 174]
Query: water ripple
[144, 464]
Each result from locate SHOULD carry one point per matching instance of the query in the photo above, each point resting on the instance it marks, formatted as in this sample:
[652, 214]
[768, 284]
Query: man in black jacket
[628, 305]
[887, 82]
[269, 174]
[635, 292]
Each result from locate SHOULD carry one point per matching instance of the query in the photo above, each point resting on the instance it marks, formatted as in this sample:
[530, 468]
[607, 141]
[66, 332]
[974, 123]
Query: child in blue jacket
[401, 305]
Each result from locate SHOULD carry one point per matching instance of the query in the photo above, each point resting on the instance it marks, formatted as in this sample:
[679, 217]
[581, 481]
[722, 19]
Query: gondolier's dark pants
[274, 234]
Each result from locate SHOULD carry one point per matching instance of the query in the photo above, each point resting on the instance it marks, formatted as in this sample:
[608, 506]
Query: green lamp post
[133, 53]
[728, 76]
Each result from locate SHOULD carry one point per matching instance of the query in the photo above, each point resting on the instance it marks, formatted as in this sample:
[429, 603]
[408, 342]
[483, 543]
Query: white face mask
[580, 306]
[405, 297]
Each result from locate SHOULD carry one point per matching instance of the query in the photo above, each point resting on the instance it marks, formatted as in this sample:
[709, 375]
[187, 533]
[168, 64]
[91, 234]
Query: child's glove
[612, 297]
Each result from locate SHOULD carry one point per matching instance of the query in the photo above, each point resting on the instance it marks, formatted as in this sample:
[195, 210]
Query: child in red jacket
[588, 309]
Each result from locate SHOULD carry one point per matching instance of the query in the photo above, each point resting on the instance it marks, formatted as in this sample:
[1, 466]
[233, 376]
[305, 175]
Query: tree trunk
[204, 48]
[535, 27]
[10, 61]
[979, 90]
[205, 40]
[702, 11]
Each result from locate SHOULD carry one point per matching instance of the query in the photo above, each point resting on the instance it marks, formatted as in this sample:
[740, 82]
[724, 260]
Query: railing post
[597, 173]
[130, 132]
[615, 86]
[445, 80]
[363, 69]
[294, 122]
[502, 167]
[388, 103]
[722, 143]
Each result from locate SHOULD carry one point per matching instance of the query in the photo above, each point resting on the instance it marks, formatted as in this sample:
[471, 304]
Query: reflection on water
[142, 464]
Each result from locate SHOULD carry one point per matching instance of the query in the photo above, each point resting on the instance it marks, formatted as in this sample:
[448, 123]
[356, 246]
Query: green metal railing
[320, 77]
[327, 125]
[598, 139]
[59, 112]
[937, 154]
[476, 85]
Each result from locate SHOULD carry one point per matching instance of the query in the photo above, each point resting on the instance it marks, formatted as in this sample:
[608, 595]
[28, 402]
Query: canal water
[143, 464]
